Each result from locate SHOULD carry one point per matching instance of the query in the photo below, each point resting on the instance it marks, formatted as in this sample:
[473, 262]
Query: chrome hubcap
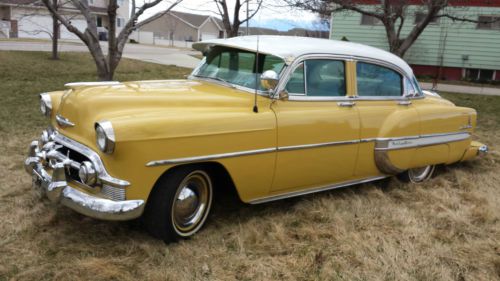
[420, 174]
[192, 202]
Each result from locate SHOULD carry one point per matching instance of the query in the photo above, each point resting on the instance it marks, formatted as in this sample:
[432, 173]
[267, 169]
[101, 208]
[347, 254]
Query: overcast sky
[271, 14]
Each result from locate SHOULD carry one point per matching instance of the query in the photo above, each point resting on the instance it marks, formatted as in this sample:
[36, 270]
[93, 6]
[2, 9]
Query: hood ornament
[64, 122]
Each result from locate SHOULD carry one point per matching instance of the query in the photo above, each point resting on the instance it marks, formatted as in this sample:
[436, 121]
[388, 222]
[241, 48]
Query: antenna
[255, 107]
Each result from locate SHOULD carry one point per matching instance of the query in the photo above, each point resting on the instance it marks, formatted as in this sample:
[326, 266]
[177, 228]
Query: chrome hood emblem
[64, 122]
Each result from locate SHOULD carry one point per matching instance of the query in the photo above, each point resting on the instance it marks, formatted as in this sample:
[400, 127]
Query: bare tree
[232, 22]
[106, 65]
[391, 13]
[53, 31]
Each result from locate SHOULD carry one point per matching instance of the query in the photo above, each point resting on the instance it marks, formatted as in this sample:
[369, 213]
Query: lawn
[445, 229]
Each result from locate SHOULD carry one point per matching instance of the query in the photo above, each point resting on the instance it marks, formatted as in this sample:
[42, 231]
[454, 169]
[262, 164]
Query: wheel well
[222, 181]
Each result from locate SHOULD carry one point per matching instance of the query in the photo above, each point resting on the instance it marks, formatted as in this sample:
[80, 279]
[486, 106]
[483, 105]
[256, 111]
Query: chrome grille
[113, 193]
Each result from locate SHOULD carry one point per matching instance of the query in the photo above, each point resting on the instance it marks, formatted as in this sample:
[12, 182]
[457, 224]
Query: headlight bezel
[46, 104]
[105, 136]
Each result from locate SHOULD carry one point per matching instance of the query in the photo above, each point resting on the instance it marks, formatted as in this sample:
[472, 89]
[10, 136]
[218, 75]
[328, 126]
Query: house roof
[193, 20]
[290, 47]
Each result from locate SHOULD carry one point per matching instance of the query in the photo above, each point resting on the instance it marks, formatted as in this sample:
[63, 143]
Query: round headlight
[87, 173]
[105, 136]
[45, 104]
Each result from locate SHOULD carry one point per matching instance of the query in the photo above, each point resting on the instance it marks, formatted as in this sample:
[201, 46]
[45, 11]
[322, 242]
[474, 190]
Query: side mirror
[269, 80]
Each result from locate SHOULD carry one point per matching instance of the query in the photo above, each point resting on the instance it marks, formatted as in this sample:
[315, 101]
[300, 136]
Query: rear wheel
[418, 175]
[179, 205]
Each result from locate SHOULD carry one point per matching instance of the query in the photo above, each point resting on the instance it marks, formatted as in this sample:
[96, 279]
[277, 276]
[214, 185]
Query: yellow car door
[318, 129]
[386, 116]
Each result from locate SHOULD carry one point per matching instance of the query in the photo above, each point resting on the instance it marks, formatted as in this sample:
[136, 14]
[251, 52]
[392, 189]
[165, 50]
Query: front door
[318, 129]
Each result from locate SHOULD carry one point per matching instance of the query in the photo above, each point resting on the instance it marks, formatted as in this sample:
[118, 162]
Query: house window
[479, 74]
[369, 20]
[120, 2]
[419, 17]
[99, 22]
[91, 2]
[120, 22]
[489, 22]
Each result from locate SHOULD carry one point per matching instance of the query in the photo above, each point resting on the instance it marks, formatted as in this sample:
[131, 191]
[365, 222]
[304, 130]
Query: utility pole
[248, 13]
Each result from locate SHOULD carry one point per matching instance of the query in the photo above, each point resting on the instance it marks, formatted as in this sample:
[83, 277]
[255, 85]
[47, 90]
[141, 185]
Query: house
[297, 31]
[179, 26]
[446, 49]
[31, 19]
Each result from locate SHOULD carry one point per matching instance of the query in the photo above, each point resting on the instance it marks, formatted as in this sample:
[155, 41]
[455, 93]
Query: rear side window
[378, 81]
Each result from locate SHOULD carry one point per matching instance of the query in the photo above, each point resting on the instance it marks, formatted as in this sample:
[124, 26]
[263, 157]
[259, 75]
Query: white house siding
[37, 23]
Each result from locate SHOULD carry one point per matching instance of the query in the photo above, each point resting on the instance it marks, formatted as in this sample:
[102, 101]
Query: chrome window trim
[94, 157]
[313, 190]
[381, 144]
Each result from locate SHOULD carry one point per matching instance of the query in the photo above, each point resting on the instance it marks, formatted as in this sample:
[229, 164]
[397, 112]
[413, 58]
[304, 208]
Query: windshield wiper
[216, 78]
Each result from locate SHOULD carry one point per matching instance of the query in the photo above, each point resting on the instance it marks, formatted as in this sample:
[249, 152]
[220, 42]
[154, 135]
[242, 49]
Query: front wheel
[417, 175]
[179, 204]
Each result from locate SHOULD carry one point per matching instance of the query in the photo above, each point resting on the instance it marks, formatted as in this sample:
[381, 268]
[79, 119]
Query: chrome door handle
[404, 102]
[346, 104]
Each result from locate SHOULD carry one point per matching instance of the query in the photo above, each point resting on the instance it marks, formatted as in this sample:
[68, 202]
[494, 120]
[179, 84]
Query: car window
[318, 78]
[377, 81]
[410, 90]
[325, 78]
[296, 85]
[237, 66]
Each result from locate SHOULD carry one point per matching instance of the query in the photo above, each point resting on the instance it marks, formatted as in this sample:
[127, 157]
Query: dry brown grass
[446, 229]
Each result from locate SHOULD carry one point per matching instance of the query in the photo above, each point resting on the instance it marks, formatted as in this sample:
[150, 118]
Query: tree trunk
[55, 32]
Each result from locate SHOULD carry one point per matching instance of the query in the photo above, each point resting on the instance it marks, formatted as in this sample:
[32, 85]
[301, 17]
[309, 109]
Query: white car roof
[291, 47]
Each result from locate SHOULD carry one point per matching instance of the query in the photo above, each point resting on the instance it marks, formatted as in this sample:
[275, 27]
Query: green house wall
[462, 44]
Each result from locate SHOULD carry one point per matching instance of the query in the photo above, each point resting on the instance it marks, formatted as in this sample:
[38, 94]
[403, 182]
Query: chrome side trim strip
[419, 141]
[380, 144]
[315, 145]
[313, 190]
[209, 157]
[103, 83]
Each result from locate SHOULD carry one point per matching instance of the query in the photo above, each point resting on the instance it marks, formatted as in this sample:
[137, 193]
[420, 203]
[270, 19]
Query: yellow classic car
[272, 117]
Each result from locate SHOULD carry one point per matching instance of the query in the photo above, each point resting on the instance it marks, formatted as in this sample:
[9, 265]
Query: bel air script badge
[400, 143]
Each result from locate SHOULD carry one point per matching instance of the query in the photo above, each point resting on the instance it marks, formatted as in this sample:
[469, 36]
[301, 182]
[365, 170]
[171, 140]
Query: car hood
[85, 105]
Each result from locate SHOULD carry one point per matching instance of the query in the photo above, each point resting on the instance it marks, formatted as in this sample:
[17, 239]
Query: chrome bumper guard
[482, 150]
[57, 190]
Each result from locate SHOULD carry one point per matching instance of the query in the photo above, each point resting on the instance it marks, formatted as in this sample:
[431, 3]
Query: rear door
[387, 118]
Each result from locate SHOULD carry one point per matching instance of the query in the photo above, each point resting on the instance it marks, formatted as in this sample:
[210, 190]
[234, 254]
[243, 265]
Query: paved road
[155, 54]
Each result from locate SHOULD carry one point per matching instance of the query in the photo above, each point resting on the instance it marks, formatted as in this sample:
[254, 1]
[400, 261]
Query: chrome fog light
[87, 173]
[45, 104]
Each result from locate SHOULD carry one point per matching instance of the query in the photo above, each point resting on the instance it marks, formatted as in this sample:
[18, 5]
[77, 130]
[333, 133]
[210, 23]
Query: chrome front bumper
[56, 188]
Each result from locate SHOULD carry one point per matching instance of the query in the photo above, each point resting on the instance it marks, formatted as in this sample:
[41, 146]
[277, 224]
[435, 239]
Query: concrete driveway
[148, 53]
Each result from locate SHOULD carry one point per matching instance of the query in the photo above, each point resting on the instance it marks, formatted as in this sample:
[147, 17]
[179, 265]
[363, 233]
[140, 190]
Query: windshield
[237, 67]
